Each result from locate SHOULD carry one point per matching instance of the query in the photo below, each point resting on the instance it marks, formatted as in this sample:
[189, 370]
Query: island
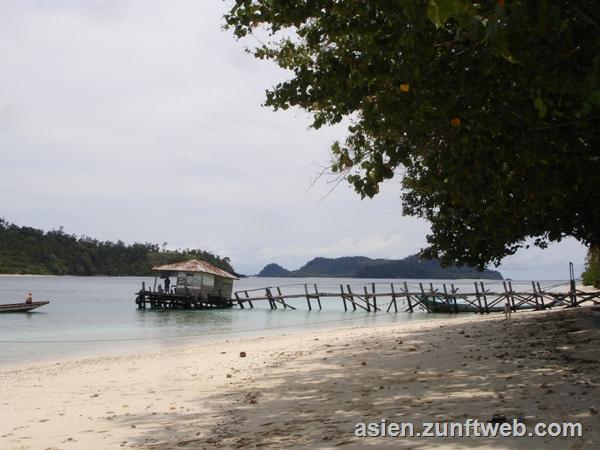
[27, 250]
[363, 267]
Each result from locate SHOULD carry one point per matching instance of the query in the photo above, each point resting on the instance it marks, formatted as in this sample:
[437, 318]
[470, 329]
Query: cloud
[546, 264]
[9, 117]
[374, 244]
[140, 120]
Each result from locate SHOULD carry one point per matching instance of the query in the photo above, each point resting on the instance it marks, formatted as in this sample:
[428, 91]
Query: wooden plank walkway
[398, 297]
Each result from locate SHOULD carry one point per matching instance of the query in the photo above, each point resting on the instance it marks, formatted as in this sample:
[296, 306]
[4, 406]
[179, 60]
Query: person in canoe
[29, 298]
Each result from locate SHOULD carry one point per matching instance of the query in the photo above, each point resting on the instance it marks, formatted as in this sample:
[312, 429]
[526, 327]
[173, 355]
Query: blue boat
[21, 307]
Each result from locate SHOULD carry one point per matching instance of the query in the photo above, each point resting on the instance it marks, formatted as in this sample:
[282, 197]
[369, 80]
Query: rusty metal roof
[193, 265]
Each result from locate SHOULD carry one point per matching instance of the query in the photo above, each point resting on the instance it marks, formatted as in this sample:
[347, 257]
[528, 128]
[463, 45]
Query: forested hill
[25, 250]
[363, 267]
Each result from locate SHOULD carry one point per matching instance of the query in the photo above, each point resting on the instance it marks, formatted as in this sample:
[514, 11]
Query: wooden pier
[399, 297]
[198, 285]
[153, 299]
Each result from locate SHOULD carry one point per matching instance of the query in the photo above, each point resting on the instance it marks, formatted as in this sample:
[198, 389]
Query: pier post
[454, 291]
[512, 297]
[433, 292]
[408, 299]
[270, 297]
[572, 285]
[318, 298]
[285, 305]
[307, 297]
[484, 292]
[143, 295]
[343, 297]
[367, 299]
[237, 297]
[535, 296]
[393, 299]
[446, 294]
[374, 296]
[424, 298]
[541, 295]
[478, 298]
[249, 301]
[351, 295]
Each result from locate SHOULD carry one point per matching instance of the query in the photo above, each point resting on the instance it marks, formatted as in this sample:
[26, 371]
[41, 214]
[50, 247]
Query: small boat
[21, 307]
[440, 305]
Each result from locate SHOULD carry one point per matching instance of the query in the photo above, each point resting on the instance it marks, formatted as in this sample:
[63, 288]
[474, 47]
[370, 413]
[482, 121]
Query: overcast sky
[141, 121]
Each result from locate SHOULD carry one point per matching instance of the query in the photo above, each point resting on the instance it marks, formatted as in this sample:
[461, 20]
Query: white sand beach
[308, 390]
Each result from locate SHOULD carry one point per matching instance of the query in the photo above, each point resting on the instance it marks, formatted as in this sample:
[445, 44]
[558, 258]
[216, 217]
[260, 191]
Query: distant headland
[27, 250]
[363, 267]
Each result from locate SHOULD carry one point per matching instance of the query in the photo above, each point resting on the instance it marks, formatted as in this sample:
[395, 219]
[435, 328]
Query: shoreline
[169, 343]
[136, 346]
[306, 389]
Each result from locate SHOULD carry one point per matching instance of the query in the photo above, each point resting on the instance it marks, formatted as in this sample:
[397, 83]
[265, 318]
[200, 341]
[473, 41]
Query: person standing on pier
[167, 284]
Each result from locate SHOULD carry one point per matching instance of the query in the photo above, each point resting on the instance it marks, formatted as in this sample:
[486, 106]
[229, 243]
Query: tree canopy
[591, 274]
[488, 111]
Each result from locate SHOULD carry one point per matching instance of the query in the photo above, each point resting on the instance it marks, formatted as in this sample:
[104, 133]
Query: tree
[591, 275]
[488, 111]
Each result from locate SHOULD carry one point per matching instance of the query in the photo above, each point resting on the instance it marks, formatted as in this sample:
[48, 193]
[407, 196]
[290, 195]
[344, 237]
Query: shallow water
[92, 316]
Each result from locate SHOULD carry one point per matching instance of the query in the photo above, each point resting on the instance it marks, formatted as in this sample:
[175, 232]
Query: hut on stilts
[190, 284]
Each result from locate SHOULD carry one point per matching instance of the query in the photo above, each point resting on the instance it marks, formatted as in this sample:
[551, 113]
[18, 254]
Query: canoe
[21, 307]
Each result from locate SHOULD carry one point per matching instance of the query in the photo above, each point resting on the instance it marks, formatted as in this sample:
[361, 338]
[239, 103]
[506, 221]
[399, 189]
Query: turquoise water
[92, 316]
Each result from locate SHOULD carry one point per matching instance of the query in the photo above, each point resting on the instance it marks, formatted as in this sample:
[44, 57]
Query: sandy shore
[308, 390]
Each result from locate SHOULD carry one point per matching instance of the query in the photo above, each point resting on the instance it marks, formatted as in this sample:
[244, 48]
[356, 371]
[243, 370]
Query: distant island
[363, 267]
[25, 250]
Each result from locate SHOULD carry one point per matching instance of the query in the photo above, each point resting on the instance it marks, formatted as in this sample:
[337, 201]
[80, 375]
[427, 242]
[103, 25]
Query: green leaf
[439, 11]
[594, 98]
[501, 46]
[541, 107]
[509, 57]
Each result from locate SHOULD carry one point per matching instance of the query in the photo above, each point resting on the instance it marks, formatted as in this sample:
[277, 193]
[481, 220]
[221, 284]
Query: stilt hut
[190, 284]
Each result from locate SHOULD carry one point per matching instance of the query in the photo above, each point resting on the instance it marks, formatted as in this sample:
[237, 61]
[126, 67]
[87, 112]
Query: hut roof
[193, 265]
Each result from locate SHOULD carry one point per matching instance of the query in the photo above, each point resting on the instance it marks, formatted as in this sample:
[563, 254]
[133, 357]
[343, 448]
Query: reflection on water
[97, 315]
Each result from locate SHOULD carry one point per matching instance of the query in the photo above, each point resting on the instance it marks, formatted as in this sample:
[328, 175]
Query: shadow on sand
[539, 367]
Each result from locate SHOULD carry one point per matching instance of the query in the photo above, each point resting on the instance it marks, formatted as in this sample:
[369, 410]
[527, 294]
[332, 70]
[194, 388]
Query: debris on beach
[498, 418]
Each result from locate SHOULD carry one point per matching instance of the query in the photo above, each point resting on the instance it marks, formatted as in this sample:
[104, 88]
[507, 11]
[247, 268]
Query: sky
[141, 120]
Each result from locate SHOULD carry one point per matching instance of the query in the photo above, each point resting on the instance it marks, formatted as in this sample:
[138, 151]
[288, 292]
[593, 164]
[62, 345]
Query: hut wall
[205, 285]
[221, 287]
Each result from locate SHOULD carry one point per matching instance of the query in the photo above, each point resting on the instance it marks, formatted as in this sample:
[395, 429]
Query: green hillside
[25, 250]
[363, 267]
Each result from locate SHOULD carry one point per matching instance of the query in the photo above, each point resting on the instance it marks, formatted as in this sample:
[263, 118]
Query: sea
[96, 316]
